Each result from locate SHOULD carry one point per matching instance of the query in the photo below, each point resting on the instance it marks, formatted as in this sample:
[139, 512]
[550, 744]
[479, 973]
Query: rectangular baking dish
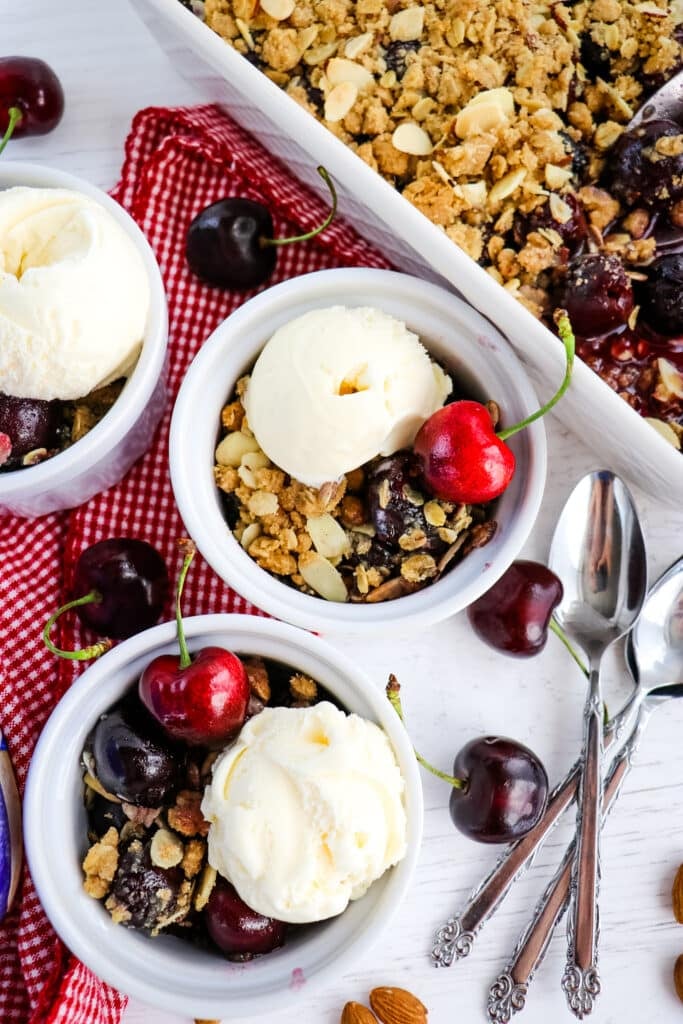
[619, 437]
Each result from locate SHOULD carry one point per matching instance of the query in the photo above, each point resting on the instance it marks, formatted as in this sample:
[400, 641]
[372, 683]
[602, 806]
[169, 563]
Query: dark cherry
[103, 814]
[224, 247]
[132, 580]
[637, 173]
[30, 85]
[573, 231]
[514, 615]
[151, 895]
[505, 791]
[29, 424]
[594, 57]
[576, 150]
[597, 294]
[237, 930]
[661, 296]
[392, 485]
[396, 55]
[133, 759]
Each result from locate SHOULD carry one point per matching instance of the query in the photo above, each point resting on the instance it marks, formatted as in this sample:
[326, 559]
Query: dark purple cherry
[640, 171]
[30, 86]
[395, 504]
[149, 898]
[238, 930]
[119, 589]
[661, 296]
[397, 53]
[28, 424]
[514, 615]
[499, 787]
[505, 790]
[133, 759]
[594, 57]
[568, 220]
[230, 243]
[597, 294]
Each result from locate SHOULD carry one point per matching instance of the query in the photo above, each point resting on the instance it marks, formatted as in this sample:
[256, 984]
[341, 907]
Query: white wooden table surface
[454, 687]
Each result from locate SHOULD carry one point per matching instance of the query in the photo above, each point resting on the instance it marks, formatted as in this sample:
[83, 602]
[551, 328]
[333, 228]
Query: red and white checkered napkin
[177, 161]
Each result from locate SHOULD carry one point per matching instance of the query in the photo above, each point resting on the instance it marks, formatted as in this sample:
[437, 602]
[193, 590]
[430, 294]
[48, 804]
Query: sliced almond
[250, 534]
[339, 101]
[560, 211]
[307, 37]
[255, 460]
[328, 536]
[423, 108]
[340, 70]
[407, 25]
[507, 185]
[666, 431]
[204, 887]
[247, 477]
[278, 9]
[166, 849]
[501, 96]
[322, 577]
[245, 32]
[234, 447]
[358, 45]
[319, 54]
[474, 193]
[557, 177]
[651, 10]
[411, 138]
[263, 503]
[474, 120]
[670, 381]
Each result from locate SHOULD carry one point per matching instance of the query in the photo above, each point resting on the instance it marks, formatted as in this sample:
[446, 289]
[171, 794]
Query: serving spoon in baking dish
[654, 654]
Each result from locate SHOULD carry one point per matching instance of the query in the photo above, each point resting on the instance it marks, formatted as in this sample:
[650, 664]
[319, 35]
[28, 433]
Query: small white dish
[107, 452]
[466, 344]
[168, 972]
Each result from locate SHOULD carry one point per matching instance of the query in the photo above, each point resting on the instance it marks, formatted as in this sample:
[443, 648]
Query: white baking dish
[617, 435]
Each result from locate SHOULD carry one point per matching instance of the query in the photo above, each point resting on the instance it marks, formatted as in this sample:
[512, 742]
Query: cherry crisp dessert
[506, 124]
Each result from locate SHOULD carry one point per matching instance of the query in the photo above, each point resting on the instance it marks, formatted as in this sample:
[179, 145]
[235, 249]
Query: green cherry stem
[316, 231]
[190, 550]
[564, 328]
[86, 653]
[556, 628]
[15, 116]
[392, 691]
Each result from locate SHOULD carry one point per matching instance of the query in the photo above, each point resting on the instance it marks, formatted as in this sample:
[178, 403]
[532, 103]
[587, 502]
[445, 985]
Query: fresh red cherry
[230, 243]
[505, 790]
[30, 86]
[461, 457]
[120, 587]
[203, 699]
[514, 615]
[499, 787]
[238, 930]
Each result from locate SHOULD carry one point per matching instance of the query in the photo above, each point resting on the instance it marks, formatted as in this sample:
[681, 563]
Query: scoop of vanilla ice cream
[336, 387]
[306, 811]
[74, 295]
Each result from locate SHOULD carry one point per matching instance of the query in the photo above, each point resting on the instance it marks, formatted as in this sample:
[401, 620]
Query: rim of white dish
[140, 386]
[222, 551]
[97, 689]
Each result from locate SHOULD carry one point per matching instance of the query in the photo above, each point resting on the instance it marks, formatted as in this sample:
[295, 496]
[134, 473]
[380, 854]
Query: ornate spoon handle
[581, 979]
[508, 993]
[454, 939]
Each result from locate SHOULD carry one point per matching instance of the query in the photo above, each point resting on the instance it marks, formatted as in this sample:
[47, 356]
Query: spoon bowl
[654, 651]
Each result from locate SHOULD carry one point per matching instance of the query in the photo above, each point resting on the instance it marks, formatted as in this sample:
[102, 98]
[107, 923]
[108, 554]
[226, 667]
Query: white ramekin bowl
[168, 972]
[107, 451]
[459, 337]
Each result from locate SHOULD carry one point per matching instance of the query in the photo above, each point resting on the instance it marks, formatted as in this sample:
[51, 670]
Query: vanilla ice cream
[336, 387]
[74, 295]
[306, 811]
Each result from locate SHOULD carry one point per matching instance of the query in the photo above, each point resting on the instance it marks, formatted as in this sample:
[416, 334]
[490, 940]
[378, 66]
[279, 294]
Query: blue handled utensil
[10, 831]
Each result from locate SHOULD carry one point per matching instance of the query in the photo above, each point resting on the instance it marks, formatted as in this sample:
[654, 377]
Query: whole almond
[678, 977]
[398, 1006]
[356, 1013]
[677, 895]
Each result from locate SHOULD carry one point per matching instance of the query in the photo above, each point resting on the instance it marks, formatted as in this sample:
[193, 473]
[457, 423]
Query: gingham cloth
[176, 162]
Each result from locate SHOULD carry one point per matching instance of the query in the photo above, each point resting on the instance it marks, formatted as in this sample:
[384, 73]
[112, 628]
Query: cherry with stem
[15, 117]
[461, 457]
[499, 787]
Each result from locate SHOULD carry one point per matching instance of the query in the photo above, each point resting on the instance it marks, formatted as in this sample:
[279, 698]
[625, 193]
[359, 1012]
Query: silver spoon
[598, 551]
[10, 831]
[654, 654]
